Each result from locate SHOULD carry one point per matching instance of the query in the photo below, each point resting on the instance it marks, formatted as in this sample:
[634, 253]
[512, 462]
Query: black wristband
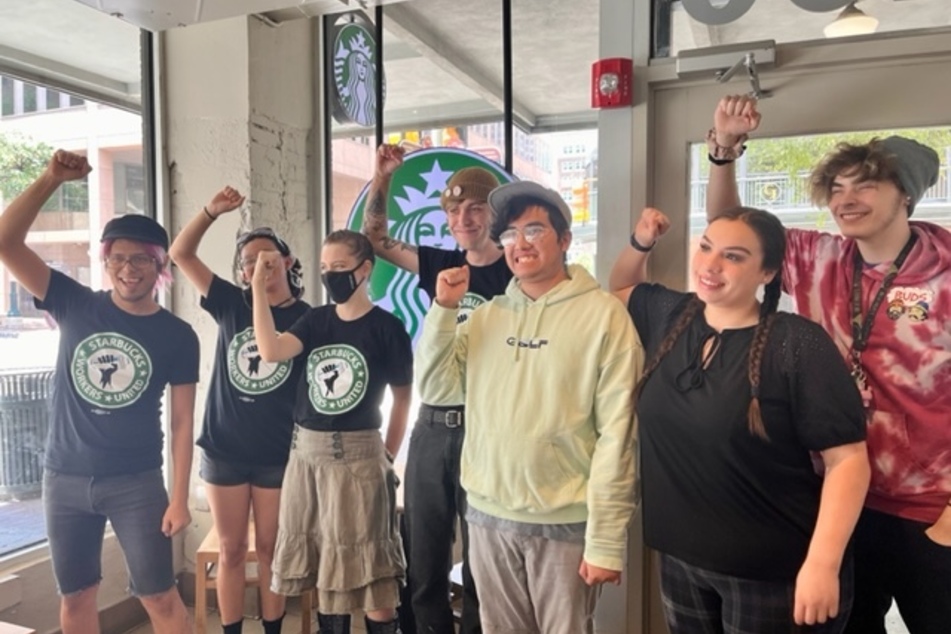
[640, 247]
[209, 214]
[717, 161]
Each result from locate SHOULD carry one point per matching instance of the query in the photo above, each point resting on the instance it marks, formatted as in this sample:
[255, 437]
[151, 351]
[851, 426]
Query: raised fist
[68, 166]
[451, 286]
[650, 226]
[735, 116]
[228, 199]
[388, 159]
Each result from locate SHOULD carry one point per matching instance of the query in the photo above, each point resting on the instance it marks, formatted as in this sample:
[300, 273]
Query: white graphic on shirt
[110, 370]
[337, 377]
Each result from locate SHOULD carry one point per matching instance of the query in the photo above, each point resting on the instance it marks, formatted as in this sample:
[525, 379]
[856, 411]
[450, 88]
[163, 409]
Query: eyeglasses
[531, 233]
[116, 261]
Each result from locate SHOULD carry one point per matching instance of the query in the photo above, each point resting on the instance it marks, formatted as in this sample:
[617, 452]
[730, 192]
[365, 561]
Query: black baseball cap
[135, 227]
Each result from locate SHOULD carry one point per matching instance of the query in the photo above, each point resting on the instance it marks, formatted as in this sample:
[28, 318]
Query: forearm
[440, 357]
[396, 429]
[630, 269]
[843, 495]
[375, 222]
[612, 493]
[722, 190]
[265, 332]
[186, 243]
[20, 214]
[182, 448]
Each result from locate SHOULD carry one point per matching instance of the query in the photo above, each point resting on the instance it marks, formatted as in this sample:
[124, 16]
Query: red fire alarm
[611, 83]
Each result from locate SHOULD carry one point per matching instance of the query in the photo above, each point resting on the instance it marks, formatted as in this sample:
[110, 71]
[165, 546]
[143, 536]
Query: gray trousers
[529, 585]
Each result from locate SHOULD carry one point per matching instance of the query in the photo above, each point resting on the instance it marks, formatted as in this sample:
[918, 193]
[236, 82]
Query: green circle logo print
[337, 377]
[110, 370]
[469, 302]
[248, 372]
[354, 58]
[416, 217]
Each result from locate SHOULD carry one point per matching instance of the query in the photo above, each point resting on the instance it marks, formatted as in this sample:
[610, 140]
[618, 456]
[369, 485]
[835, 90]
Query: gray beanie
[917, 167]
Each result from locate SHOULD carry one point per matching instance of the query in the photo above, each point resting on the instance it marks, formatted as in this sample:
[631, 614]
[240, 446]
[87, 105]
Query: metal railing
[24, 424]
[787, 195]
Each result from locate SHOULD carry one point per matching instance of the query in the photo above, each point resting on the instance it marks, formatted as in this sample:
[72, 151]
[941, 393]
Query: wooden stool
[206, 578]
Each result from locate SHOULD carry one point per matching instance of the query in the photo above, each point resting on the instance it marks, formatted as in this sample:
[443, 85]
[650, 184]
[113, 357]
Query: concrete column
[237, 107]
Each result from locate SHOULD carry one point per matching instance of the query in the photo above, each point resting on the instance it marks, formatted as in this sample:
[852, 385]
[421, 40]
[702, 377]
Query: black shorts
[229, 473]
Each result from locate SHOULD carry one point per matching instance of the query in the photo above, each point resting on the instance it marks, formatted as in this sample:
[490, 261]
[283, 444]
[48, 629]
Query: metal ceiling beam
[427, 117]
[41, 70]
[404, 22]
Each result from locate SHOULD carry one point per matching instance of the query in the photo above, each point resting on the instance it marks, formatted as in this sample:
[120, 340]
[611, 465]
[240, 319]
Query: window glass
[66, 236]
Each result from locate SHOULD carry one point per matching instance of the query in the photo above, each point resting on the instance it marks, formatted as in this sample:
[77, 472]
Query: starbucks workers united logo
[110, 370]
[337, 377]
[248, 372]
[416, 217]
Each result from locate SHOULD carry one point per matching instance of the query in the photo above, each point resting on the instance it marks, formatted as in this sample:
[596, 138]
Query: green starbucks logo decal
[354, 70]
[416, 217]
[470, 301]
[248, 372]
[337, 377]
[110, 370]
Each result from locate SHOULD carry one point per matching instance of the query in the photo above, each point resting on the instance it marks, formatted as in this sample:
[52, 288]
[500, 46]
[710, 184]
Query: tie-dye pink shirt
[908, 358]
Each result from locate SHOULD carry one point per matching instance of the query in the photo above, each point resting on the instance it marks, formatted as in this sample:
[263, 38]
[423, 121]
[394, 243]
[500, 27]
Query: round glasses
[531, 233]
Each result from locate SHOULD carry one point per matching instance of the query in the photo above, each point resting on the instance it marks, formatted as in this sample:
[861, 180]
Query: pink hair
[164, 279]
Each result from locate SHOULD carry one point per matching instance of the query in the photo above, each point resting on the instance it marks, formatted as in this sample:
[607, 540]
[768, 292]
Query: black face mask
[341, 284]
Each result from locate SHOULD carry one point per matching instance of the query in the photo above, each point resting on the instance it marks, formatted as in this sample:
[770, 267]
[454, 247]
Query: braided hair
[772, 237]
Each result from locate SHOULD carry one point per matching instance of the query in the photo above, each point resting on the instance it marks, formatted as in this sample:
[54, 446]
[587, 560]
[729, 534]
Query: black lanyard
[862, 328]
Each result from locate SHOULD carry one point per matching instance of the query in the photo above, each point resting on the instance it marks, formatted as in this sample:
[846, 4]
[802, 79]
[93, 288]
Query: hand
[451, 286]
[817, 594]
[593, 575]
[940, 531]
[228, 199]
[67, 166]
[652, 224]
[269, 262]
[735, 116]
[175, 519]
[388, 159]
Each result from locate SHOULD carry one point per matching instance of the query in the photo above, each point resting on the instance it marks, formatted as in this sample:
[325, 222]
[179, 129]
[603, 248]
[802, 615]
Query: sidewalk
[22, 524]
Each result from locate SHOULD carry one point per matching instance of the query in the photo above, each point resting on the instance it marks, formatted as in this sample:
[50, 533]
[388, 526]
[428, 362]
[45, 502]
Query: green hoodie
[549, 427]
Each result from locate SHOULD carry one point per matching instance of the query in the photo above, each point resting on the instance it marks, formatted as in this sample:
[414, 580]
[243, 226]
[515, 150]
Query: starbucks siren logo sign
[416, 217]
[110, 370]
[354, 71]
[337, 377]
[248, 372]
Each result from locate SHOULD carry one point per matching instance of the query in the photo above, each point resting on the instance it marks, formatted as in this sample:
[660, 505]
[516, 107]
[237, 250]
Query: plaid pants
[697, 601]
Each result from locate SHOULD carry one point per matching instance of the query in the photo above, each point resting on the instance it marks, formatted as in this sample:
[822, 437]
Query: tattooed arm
[375, 221]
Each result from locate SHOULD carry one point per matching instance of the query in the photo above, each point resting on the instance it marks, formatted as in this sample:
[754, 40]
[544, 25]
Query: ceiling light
[852, 21]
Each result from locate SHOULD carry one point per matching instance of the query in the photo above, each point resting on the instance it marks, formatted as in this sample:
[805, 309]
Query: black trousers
[433, 502]
[894, 559]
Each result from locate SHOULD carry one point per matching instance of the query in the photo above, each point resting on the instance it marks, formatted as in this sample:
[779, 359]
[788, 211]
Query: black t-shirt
[249, 413]
[111, 371]
[715, 495]
[349, 365]
[485, 282]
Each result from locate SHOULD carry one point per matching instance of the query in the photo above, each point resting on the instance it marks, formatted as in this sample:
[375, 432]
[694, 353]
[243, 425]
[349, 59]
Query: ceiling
[443, 57]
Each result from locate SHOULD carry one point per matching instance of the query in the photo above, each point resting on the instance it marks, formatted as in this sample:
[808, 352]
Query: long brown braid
[772, 237]
[694, 306]
[767, 316]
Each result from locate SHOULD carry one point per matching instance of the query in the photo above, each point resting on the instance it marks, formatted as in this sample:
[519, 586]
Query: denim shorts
[229, 473]
[77, 508]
